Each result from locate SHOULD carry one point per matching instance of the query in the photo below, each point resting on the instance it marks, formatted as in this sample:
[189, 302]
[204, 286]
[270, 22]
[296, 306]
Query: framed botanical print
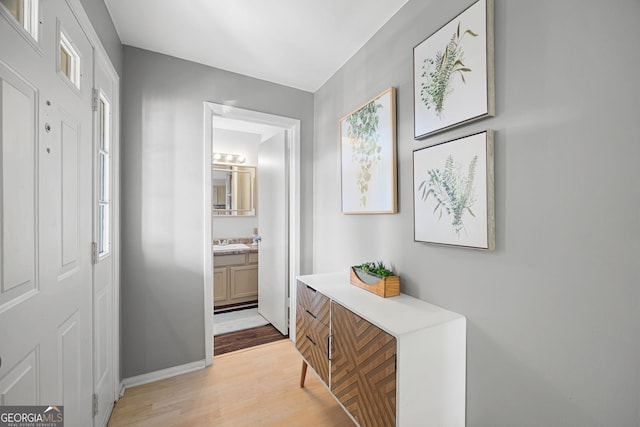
[368, 156]
[453, 194]
[453, 79]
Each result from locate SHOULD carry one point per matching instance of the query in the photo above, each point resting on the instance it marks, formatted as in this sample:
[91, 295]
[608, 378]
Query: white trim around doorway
[292, 127]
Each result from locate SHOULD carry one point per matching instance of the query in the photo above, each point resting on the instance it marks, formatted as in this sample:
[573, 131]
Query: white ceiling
[297, 43]
[264, 131]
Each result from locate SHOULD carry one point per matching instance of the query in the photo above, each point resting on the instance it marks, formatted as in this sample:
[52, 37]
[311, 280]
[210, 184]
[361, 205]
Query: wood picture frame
[453, 187]
[453, 72]
[368, 156]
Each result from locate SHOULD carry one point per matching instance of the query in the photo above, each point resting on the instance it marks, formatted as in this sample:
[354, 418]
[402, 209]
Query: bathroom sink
[230, 247]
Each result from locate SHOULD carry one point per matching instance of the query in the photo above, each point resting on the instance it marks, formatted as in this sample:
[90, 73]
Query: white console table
[388, 361]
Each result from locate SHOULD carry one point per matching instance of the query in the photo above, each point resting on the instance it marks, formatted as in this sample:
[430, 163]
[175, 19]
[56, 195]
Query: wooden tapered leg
[303, 374]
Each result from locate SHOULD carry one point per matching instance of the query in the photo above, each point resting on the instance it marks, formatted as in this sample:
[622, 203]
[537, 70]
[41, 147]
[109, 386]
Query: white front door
[46, 213]
[273, 226]
[103, 257]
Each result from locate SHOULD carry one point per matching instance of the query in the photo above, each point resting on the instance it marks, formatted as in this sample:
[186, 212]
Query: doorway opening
[278, 177]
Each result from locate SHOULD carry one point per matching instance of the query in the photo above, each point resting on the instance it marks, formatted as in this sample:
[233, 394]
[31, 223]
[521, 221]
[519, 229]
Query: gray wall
[553, 314]
[162, 187]
[102, 23]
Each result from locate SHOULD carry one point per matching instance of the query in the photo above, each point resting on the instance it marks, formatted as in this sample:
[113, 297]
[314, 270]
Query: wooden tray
[385, 287]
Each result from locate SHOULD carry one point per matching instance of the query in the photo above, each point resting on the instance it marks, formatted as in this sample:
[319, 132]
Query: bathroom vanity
[235, 274]
[388, 361]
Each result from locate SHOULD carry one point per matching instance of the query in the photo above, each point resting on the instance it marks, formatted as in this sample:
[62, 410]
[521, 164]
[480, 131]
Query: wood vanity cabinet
[388, 361]
[235, 278]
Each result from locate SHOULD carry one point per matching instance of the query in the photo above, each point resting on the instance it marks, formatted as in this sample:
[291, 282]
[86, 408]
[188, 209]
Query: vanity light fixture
[229, 158]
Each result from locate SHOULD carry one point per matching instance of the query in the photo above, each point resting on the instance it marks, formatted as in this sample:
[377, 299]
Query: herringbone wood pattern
[312, 330]
[313, 302]
[311, 341]
[363, 368]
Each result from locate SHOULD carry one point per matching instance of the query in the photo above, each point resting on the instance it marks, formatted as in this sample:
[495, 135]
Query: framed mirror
[233, 190]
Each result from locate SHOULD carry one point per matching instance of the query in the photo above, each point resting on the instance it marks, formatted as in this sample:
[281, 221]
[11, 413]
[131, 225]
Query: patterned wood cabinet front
[363, 368]
[396, 361]
[312, 329]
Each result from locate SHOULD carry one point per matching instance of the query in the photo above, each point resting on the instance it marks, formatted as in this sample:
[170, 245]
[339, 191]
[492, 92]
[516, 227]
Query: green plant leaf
[439, 70]
[453, 191]
[377, 268]
[426, 195]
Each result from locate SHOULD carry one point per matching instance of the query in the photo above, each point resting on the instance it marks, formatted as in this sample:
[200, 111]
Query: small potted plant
[377, 278]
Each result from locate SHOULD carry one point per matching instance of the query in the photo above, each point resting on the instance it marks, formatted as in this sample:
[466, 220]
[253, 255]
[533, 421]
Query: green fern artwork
[452, 190]
[362, 129]
[438, 72]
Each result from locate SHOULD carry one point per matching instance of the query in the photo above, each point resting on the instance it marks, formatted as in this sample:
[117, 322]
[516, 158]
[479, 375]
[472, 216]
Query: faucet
[224, 242]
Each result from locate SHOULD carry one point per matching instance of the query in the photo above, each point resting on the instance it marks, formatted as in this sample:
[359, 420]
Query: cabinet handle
[312, 341]
[311, 289]
[329, 352]
[311, 314]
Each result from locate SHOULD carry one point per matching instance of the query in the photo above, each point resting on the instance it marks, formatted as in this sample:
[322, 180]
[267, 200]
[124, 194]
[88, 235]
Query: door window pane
[65, 62]
[25, 12]
[103, 231]
[104, 177]
[69, 62]
[16, 8]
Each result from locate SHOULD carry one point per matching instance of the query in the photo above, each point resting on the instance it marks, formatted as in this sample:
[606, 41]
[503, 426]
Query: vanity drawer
[253, 258]
[225, 260]
[314, 303]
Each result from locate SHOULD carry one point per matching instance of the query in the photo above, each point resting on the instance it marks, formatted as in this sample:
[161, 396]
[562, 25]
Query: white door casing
[292, 127]
[46, 218]
[273, 223]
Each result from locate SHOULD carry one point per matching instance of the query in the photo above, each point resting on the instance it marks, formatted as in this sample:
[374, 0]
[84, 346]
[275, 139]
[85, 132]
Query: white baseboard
[160, 375]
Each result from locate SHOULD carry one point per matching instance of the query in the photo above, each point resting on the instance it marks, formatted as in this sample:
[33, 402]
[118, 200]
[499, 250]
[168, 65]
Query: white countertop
[234, 248]
[398, 315]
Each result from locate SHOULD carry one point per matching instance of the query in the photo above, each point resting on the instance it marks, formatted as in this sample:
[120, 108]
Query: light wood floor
[258, 386]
